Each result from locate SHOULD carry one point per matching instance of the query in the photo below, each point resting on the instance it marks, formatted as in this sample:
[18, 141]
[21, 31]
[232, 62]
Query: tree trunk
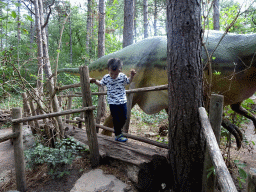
[145, 16]
[70, 37]
[48, 73]
[216, 15]
[135, 21]
[128, 23]
[88, 26]
[101, 31]
[7, 20]
[155, 18]
[186, 152]
[39, 47]
[1, 23]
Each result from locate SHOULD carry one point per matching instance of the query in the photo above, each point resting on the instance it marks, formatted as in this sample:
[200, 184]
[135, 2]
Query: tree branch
[47, 19]
[28, 7]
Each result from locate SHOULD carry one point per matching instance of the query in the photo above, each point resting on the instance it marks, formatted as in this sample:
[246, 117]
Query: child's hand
[133, 72]
[92, 80]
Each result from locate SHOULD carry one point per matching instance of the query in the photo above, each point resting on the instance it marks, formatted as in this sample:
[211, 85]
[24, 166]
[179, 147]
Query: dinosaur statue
[233, 66]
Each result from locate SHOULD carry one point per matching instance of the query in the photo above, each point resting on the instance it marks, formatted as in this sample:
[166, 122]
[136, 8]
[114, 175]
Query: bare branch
[47, 19]
[28, 7]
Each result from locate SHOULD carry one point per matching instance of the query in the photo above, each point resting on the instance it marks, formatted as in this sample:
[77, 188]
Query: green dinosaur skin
[234, 59]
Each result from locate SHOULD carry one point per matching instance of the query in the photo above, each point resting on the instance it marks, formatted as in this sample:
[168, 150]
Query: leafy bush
[57, 159]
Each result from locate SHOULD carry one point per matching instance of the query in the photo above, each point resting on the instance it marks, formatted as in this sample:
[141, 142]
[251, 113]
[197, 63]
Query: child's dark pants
[119, 114]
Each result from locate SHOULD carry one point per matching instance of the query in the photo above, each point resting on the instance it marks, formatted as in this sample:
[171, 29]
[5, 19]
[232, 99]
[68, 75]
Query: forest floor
[40, 180]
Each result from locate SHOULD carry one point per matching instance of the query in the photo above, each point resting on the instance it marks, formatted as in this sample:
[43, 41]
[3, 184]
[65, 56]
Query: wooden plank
[88, 116]
[18, 152]
[128, 152]
[8, 136]
[223, 176]
[215, 116]
[143, 89]
[49, 115]
[138, 90]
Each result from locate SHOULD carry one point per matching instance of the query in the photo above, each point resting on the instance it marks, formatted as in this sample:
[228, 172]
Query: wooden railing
[223, 177]
[213, 154]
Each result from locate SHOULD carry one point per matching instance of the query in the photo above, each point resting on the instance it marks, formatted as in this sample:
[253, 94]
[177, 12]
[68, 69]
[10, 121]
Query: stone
[97, 181]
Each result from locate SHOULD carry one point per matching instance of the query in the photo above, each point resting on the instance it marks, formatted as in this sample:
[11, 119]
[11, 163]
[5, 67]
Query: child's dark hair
[115, 64]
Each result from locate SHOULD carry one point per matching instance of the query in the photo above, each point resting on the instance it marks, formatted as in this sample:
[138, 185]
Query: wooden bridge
[103, 146]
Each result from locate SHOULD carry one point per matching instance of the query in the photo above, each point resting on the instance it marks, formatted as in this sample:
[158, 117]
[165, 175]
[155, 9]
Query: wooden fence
[223, 177]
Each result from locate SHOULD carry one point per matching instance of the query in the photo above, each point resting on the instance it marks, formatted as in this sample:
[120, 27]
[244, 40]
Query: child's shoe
[121, 138]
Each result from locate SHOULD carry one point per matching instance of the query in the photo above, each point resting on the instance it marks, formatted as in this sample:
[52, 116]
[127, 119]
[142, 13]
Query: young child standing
[115, 82]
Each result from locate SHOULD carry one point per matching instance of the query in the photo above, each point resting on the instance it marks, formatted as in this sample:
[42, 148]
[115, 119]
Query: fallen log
[127, 152]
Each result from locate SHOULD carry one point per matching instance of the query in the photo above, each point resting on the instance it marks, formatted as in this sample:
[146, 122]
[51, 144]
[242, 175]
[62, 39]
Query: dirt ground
[39, 180]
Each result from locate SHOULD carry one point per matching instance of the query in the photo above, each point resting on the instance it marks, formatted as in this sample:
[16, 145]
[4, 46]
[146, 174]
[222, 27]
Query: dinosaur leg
[234, 130]
[242, 111]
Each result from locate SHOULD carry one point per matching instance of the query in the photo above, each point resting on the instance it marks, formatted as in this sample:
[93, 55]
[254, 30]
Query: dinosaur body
[233, 65]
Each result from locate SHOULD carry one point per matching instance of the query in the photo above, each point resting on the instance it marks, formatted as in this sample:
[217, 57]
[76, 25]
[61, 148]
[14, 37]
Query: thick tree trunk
[216, 15]
[88, 26]
[101, 31]
[186, 152]
[128, 23]
[145, 16]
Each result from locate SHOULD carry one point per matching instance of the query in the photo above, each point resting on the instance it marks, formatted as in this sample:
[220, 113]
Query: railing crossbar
[50, 115]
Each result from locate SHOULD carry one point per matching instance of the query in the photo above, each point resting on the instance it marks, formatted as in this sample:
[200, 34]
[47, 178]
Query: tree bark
[216, 15]
[48, 73]
[145, 16]
[135, 21]
[88, 26]
[186, 152]
[1, 23]
[155, 18]
[101, 30]
[40, 54]
[128, 23]
[70, 37]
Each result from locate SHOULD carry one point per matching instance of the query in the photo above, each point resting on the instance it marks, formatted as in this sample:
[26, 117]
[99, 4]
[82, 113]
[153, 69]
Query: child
[115, 82]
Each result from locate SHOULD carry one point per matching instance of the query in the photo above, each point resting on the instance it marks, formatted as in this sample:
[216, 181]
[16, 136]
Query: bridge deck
[131, 151]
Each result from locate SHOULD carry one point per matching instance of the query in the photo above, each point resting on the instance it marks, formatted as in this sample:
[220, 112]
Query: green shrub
[57, 159]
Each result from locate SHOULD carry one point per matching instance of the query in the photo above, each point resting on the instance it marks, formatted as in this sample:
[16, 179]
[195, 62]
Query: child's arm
[133, 73]
[92, 80]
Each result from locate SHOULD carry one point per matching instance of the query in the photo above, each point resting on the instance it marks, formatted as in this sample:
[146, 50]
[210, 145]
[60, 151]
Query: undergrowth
[57, 159]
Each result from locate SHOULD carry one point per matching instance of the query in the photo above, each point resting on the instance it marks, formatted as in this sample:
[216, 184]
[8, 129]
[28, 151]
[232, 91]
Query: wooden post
[18, 152]
[215, 116]
[251, 182]
[69, 107]
[129, 108]
[80, 123]
[89, 119]
[101, 109]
